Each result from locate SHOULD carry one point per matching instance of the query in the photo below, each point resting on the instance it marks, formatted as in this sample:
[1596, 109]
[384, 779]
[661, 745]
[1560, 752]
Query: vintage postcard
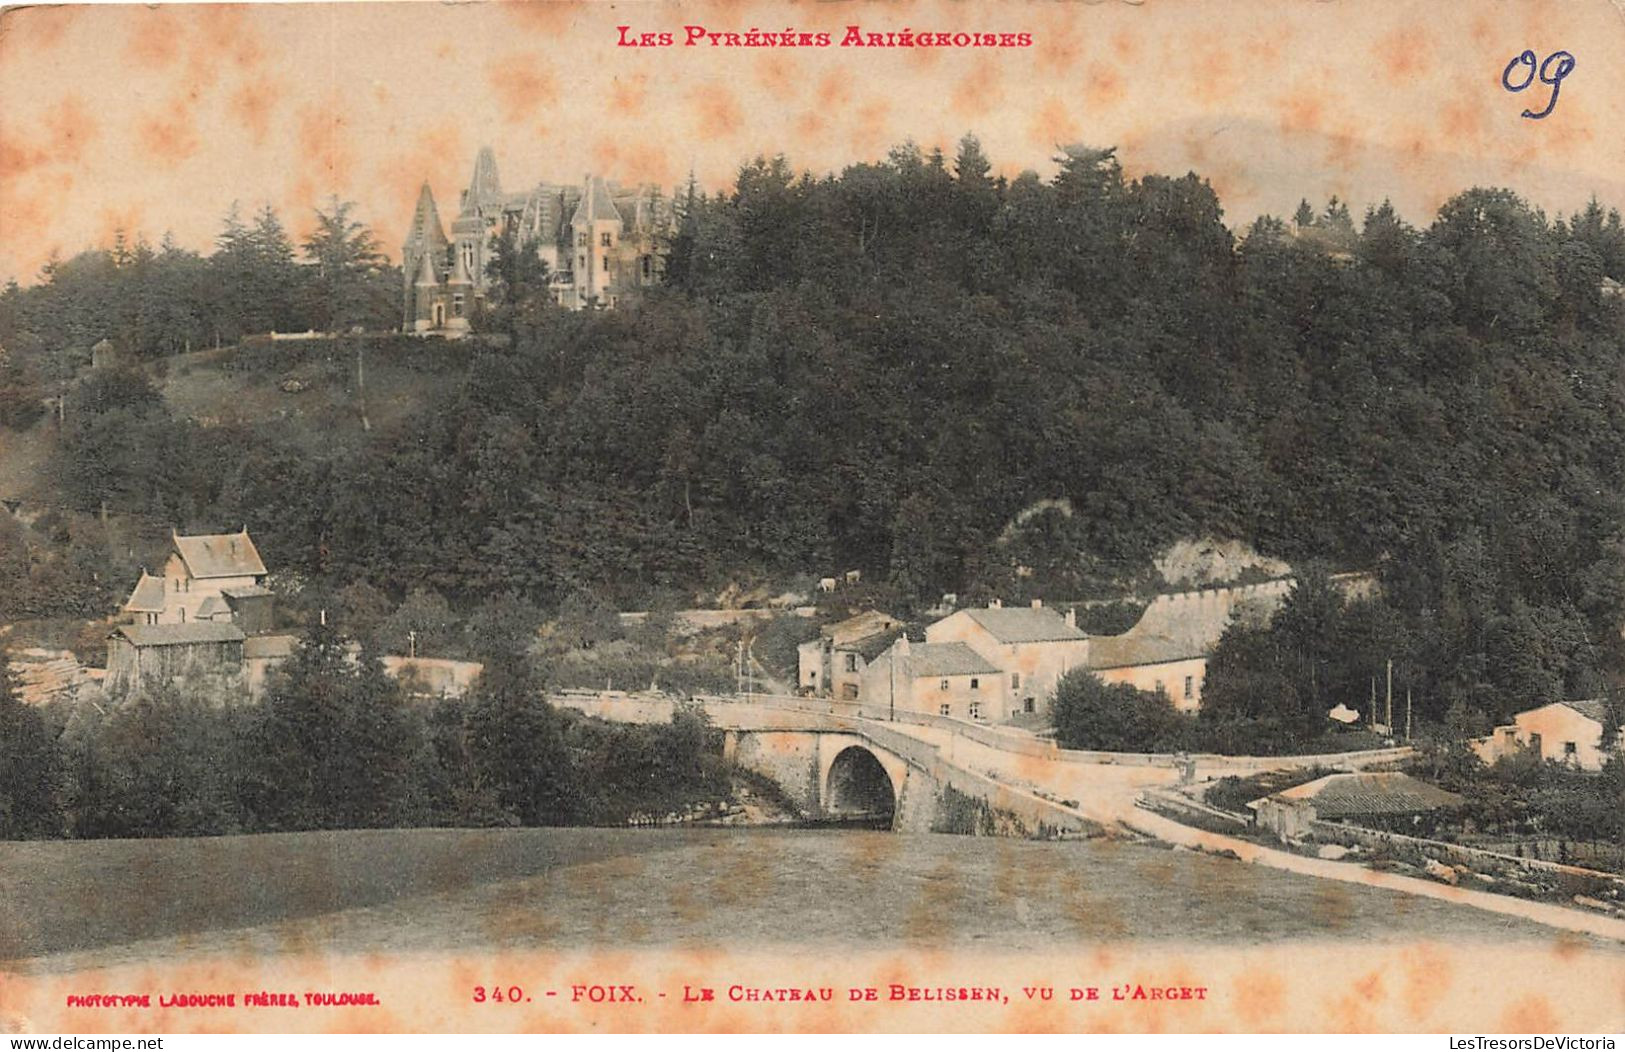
[845, 516]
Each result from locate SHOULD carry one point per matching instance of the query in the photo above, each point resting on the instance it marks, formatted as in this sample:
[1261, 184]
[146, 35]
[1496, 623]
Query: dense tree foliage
[882, 368]
[1117, 717]
[29, 767]
[336, 745]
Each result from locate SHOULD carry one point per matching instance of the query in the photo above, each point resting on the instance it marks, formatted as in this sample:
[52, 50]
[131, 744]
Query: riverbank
[68, 905]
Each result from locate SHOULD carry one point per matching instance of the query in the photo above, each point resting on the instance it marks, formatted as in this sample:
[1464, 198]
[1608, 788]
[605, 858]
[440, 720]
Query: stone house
[940, 679]
[1031, 648]
[208, 577]
[1566, 732]
[833, 664]
[209, 615]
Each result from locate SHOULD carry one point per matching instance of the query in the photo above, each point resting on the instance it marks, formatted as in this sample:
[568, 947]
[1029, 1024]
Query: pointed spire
[459, 271]
[426, 234]
[426, 274]
[484, 187]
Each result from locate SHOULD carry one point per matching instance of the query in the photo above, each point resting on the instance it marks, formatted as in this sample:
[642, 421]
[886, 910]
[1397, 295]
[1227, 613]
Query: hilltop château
[600, 241]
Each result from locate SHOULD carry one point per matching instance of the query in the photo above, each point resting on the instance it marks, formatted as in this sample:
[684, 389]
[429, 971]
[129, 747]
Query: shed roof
[946, 659]
[180, 635]
[1024, 624]
[1367, 793]
[220, 555]
[211, 606]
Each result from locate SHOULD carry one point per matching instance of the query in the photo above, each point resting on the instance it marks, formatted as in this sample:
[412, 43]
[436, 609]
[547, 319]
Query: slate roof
[1592, 709]
[946, 659]
[148, 596]
[596, 204]
[1023, 624]
[212, 605]
[872, 646]
[426, 236]
[220, 555]
[484, 188]
[180, 635]
[1367, 793]
[247, 591]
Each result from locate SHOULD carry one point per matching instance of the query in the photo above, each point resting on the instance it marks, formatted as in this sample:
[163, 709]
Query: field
[66, 905]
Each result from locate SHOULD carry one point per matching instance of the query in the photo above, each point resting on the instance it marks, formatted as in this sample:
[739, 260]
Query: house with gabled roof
[1031, 647]
[941, 679]
[1566, 732]
[208, 615]
[207, 577]
[833, 664]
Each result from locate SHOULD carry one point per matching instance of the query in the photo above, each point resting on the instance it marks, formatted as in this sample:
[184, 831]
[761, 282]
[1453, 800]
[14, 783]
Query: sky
[155, 119]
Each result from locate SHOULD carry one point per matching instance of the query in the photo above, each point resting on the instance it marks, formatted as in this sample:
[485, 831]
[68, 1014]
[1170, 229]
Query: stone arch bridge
[842, 767]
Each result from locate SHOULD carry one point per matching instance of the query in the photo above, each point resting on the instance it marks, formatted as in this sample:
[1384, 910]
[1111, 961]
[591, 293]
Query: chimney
[1072, 617]
[901, 646]
[1038, 604]
[995, 603]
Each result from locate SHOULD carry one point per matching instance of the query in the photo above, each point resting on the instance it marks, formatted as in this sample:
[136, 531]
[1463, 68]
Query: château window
[945, 709]
[457, 306]
[581, 241]
[975, 710]
[851, 662]
[646, 270]
[974, 683]
[944, 684]
[606, 264]
[1190, 685]
[604, 239]
[1015, 681]
[1029, 706]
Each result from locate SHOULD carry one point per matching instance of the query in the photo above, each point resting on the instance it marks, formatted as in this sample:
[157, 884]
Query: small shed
[1380, 800]
[146, 655]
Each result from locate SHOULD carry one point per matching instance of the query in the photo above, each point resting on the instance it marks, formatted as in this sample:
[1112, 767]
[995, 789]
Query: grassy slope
[204, 387]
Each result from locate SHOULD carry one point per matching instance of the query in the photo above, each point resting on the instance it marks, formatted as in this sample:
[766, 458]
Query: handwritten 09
[1510, 80]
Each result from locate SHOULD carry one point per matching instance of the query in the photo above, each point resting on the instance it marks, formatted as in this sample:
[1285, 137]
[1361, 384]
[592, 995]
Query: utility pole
[412, 641]
[1407, 713]
[1390, 719]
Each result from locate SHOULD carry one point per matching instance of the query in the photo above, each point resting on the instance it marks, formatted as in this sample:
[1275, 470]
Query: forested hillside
[879, 369]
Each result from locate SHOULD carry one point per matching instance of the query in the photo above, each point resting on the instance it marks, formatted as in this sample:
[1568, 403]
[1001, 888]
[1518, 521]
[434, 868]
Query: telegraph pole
[1407, 713]
[1390, 718]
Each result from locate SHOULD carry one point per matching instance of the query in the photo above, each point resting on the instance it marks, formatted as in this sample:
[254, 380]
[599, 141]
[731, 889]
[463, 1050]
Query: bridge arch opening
[859, 787]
